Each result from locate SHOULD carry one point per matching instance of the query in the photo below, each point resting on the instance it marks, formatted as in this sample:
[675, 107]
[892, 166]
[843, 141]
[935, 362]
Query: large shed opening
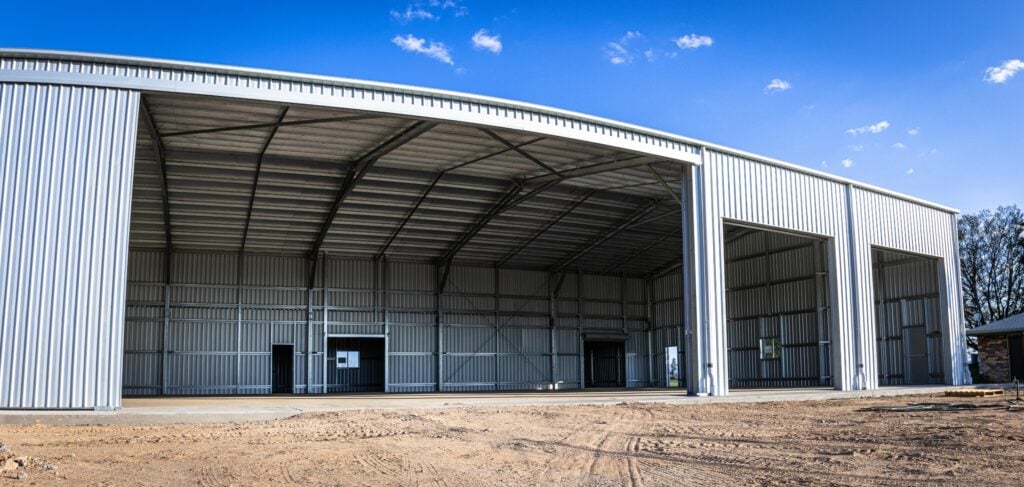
[908, 318]
[605, 363]
[355, 364]
[777, 308]
[478, 256]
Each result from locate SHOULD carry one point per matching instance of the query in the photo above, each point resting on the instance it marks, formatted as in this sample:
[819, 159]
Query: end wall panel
[741, 190]
[66, 166]
[890, 223]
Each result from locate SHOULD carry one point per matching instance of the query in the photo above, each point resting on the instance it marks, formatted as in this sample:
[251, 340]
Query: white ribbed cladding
[740, 190]
[275, 86]
[66, 161]
[745, 191]
[890, 223]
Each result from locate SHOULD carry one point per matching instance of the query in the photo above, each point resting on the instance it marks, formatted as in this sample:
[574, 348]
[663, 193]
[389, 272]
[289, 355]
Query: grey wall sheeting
[66, 160]
[736, 189]
[889, 223]
[491, 340]
[772, 197]
[777, 287]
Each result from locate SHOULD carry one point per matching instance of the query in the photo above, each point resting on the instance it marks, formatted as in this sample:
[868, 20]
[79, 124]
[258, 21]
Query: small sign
[347, 359]
[771, 349]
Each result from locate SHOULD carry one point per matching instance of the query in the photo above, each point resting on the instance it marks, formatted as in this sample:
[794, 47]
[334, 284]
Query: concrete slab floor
[226, 409]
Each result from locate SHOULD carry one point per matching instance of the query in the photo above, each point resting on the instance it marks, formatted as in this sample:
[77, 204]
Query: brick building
[1001, 349]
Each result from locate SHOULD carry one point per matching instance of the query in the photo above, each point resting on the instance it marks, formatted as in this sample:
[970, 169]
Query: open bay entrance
[604, 363]
[355, 364]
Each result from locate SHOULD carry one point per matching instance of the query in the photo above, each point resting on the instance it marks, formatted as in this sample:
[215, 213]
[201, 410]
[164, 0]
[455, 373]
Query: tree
[992, 264]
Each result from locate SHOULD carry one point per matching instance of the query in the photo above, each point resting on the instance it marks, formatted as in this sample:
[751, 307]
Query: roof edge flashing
[681, 156]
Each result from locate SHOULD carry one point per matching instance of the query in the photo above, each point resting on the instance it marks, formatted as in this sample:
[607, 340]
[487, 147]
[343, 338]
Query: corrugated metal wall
[499, 328]
[908, 325]
[777, 289]
[66, 159]
[730, 188]
[667, 320]
[889, 223]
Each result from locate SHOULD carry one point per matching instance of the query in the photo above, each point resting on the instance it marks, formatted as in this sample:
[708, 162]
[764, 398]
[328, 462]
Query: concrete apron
[231, 409]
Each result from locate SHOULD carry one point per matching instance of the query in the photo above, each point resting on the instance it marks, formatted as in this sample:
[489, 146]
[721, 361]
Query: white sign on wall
[347, 359]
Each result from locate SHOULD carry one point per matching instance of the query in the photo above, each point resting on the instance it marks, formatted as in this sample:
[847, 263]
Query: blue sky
[901, 91]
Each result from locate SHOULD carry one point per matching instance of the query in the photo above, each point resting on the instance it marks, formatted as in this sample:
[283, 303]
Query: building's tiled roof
[1012, 324]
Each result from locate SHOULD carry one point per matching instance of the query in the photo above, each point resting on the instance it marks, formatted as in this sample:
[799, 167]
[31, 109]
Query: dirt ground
[820, 442]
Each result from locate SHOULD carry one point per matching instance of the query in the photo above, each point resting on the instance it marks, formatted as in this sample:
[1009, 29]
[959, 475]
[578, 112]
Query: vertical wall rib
[67, 161]
[741, 190]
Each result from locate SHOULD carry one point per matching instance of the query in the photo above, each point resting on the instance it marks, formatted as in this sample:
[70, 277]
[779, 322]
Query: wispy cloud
[914, 131]
[618, 52]
[857, 148]
[412, 13]
[435, 50]
[824, 163]
[910, 171]
[874, 129]
[899, 145]
[1002, 73]
[485, 41]
[458, 8]
[777, 85]
[430, 10]
[847, 163]
[693, 41]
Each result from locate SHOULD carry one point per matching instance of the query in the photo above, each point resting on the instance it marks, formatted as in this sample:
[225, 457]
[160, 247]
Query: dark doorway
[355, 364]
[283, 359]
[908, 318]
[604, 363]
[1016, 344]
[778, 318]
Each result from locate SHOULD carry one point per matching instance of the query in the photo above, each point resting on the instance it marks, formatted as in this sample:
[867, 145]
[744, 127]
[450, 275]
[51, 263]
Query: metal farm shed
[181, 229]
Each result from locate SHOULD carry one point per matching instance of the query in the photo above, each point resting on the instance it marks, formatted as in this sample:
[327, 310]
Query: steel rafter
[408, 216]
[256, 178]
[641, 251]
[161, 157]
[357, 171]
[522, 246]
[603, 167]
[665, 185]
[274, 125]
[490, 133]
[496, 153]
[605, 236]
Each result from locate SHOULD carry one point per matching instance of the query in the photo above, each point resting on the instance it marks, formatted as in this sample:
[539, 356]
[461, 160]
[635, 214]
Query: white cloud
[618, 51]
[1002, 73]
[416, 11]
[914, 131]
[777, 85]
[910, 171]
[808, 107]
[693, 41]
[824, 163]
[847, 163]
[649, 54]
[899, 145]
[460, 10]
[874, 129]
[484, 40]
[412, 13]
[436, 50]
[857, 148]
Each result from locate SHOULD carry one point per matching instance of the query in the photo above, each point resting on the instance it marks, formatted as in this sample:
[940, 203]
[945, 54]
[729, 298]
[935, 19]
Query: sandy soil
[823, 442]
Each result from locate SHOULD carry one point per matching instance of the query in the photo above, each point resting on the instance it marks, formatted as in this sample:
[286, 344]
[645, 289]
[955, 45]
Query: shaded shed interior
[483, 255]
